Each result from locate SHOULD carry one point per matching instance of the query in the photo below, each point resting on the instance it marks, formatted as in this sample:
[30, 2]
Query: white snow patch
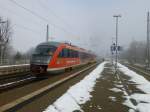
[143, 100]
[77, 94]
[99, 107]
[91, 106]
[115, 90]
[112, 98]
[61, 104]
[6, 66]
[129, 103]
[141, 97]
[143, 107]
[119, 86]
[131, 110]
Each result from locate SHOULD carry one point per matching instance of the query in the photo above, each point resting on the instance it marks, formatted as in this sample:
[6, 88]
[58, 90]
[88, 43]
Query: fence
[12, 69]
[14, 62]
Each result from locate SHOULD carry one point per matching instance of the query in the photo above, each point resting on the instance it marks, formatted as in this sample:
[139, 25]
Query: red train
[56, 56]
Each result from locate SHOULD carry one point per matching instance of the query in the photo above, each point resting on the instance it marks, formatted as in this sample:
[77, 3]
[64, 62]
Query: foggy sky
[86, 23]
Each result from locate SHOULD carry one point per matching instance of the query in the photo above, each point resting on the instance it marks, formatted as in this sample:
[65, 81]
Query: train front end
[41, 58]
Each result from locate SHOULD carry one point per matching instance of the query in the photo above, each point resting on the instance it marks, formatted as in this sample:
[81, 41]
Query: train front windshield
[43, 54]
[45, 50]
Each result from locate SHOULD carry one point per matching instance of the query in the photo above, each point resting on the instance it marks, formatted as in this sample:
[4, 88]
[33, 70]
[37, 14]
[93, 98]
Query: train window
[65, 53]
[61, 54]
[83, 55]
[68, 53]
[45, 50]
[76, 54]
[71, 53]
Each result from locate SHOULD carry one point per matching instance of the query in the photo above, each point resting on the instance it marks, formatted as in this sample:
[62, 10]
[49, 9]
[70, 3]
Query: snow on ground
[112, 98]
[77, 94]
[6, 66]
[115, 90]
[119, 86]
[143, 100]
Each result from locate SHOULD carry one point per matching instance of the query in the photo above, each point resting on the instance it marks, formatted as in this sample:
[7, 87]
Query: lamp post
[148, 42]
[47, 33]
[116, 59]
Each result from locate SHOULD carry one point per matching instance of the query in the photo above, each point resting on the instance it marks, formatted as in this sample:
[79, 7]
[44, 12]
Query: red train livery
[55, 56]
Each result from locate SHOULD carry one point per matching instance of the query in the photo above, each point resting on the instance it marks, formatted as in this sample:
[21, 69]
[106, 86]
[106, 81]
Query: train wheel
[68, 69]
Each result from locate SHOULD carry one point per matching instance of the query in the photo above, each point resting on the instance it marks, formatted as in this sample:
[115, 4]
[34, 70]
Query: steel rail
[39, 92]
[15, 83]
[139, 70]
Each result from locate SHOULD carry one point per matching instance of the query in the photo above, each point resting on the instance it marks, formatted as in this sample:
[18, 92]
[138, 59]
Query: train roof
[53, 43]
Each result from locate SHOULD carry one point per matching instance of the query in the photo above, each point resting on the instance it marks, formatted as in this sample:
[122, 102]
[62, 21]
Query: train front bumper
[38, 68]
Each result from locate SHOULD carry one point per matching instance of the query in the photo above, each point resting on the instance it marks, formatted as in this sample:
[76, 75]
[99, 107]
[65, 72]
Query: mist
[88, 24]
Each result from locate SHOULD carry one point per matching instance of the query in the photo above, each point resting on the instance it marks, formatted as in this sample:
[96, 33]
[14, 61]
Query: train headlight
[50, 53]
[47, 60]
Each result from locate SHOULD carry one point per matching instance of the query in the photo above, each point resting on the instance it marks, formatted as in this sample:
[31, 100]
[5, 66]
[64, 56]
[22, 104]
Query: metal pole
[116, 60]
[116, 42]
[0, 44]
[112, 52]
[148, 53]
[47, 33]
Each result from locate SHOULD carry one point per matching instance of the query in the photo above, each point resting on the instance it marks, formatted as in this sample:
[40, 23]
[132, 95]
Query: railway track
[12, 105]
[140, 70]
[10, 76]
[12, 82]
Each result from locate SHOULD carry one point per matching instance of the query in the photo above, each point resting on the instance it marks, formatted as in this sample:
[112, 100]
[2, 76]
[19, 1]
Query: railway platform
[126, 91]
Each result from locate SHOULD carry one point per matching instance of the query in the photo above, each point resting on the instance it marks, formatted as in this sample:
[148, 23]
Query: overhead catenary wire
[44, 6]
[48, 9]
[20, 16]
[28, 10]
[29, 29]
[22, 26]
[39, 17]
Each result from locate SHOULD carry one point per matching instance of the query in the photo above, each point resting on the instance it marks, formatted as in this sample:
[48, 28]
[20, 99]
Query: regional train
[56, 56]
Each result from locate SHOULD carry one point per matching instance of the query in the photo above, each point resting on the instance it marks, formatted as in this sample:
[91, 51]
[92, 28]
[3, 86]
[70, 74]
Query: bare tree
[136, 52]
[29, 52]
[5, 36]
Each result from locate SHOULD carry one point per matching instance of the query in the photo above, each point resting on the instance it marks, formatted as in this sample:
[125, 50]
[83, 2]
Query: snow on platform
[19, 65]
[143, 100]
[77, 94]
[115, 90]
